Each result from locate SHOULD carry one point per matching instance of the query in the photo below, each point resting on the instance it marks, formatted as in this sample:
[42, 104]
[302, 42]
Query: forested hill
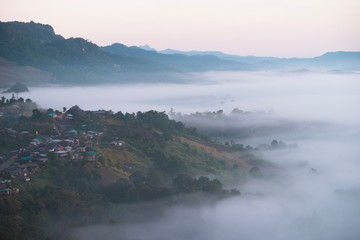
[78, 61]
[61, 169]
[73, 60]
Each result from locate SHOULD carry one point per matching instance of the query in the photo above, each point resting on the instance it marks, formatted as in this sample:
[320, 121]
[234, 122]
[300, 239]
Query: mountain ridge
[78, 61]
[344, 55]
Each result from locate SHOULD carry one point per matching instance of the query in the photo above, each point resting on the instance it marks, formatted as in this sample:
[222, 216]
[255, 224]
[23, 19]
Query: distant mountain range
[32, 53]
[175, 62]
[331, 61]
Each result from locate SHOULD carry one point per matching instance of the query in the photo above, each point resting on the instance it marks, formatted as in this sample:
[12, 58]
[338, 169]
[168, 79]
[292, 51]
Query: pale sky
[283, 28]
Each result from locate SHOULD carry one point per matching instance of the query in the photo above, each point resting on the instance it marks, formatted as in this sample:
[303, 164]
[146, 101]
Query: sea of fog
[305, 96]
[314, 196]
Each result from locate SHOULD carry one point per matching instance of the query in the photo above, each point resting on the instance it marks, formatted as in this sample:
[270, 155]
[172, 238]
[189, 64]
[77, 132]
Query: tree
[203, 182]
[213, 186]
[36, 114]
[274, 144]
[3, 100]
[237, 111]
[12, 99]
[184, 184]
[76, 111]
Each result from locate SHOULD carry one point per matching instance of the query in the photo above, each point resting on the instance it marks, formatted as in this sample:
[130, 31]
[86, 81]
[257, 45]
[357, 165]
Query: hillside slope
[11, 73]
[69, 167]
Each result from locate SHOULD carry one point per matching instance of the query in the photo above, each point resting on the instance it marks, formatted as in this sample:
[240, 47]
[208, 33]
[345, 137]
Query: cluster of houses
[8, 191]
[71, 144]
[18, 165]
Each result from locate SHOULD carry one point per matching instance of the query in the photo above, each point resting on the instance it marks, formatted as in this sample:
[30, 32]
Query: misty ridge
[284, 132]
[241, 124]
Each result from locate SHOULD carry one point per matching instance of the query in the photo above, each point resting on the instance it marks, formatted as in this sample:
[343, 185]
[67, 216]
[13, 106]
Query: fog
[314, 195]
[295, 204]
[301, 96]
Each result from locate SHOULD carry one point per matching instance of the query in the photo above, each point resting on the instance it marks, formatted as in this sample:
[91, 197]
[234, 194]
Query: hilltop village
[39, 145]
[72, 164]
[30, 138]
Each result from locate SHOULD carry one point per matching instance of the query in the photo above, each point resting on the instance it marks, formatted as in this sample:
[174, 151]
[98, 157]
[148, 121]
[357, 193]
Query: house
[68, 148]
[41, 159]
[51, 115]
[69, 141]
[81, 149]
[76, 156]
[55, 141]
[117, 143]
[15, 190]
[69, 116]
[5, 191]
[60, 148]
[61, 153]
[72, 132]
[129, 166]
[25, 159]
[91, 155]
[26, 179]
[90, 134]
[4, 181]
[36, 142]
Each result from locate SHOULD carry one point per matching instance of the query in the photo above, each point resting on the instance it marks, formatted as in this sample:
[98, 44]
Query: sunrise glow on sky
[283, 28]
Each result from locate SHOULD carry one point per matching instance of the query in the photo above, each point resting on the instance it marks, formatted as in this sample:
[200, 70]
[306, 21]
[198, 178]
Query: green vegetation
[62, 191]
[126, 158]
[239, 124]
